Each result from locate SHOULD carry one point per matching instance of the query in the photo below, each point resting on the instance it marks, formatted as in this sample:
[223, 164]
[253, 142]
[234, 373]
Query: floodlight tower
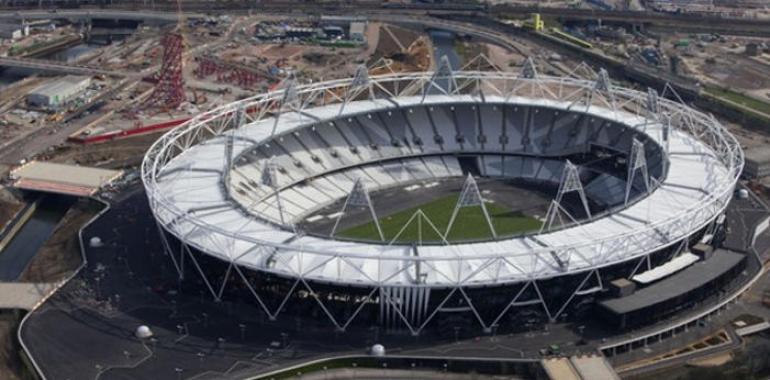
[470, 196]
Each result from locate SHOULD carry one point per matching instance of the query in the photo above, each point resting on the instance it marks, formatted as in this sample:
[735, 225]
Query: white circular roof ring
[186, 158]
[143, 332]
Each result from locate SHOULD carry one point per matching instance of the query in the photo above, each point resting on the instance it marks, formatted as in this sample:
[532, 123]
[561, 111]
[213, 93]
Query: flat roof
[689, 279]
[594, 367]
[357, 27]
[62, 178]
[559, 369]
[667, 269]
[59, 85]
[759, 154]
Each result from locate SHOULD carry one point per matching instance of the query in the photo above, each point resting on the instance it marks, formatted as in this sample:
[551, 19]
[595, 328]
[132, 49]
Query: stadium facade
[638, 179]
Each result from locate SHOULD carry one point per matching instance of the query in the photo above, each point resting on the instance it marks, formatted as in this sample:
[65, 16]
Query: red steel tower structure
[169, 88]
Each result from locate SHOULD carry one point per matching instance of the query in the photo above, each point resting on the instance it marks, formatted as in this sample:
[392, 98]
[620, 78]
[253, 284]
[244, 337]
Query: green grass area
[736, 97]
[469, 224]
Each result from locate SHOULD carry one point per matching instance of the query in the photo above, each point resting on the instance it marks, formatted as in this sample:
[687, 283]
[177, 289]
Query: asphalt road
[86, 329]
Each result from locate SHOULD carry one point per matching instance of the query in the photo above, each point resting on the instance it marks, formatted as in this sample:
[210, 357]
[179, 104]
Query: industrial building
[757, 162]
[357, 31]
[13, 31]
[59, 92]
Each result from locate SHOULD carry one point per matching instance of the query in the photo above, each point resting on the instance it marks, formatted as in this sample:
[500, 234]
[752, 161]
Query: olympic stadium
[479, 200]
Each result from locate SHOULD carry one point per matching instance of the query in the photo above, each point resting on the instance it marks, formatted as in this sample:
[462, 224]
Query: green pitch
[469, 224]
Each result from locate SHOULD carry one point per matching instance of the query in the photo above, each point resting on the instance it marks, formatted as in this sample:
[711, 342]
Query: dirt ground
[60, 255]
[10, 363]
[118, 154]
[739, 73]
[7, 211]
[503, 58]
[9, 206]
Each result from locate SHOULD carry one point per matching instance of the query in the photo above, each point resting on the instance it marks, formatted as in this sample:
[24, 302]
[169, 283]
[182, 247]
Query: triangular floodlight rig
[268, 179]
[528, 83]
[289, 101]
[637, 162]
[359, 197]
[442, 80]
[479, 63]
[359, 84]
[238, 120]
[602, 90]
[583, 71]
[570, 182]
[556, 216]
[470, 196]
[653, 104]
[422, 220]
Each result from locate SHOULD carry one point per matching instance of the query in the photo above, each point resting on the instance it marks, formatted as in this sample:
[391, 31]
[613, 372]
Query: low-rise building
[59, 92]
[757, 162]
[357, 31]
[13, 31]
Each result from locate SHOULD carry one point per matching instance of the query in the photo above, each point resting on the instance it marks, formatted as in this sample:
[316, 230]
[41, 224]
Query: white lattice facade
[229, 187]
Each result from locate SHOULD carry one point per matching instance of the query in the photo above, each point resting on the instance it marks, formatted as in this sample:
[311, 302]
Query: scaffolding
[169, 82]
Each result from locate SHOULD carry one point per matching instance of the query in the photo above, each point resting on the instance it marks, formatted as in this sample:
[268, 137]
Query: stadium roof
[192, 183]
[686, 281]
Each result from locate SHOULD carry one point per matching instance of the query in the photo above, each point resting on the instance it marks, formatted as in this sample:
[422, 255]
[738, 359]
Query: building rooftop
[56, 87]
[759, 154]
[9, 27]
[62, 178]
[357, 27]
[594, 367]
[689, 279]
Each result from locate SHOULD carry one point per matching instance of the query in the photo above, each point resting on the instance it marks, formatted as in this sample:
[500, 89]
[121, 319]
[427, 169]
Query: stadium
[471, 201]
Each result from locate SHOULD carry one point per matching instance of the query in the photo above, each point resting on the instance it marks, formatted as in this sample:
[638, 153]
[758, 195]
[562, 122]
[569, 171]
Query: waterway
[66, 54]
[444, 45]
[72, 53]
[32, 235]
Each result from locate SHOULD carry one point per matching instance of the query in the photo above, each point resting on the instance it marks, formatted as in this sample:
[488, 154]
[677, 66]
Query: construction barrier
[109, 136]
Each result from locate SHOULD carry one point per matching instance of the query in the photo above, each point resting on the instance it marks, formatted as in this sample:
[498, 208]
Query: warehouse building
[757, 162]
[358, 31]
[59, 92]
[13, 31]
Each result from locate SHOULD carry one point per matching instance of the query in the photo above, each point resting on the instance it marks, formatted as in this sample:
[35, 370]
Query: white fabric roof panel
[670, 267]
[692, 167]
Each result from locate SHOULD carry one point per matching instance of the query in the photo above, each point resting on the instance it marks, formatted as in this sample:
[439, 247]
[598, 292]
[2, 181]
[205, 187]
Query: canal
[32, 235]
[68, 54]
[443, 45]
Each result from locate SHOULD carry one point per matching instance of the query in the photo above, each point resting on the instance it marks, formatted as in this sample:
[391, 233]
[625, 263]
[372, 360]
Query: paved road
[56, 67]
[87, 14]
[12, 152]
[686, 21]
